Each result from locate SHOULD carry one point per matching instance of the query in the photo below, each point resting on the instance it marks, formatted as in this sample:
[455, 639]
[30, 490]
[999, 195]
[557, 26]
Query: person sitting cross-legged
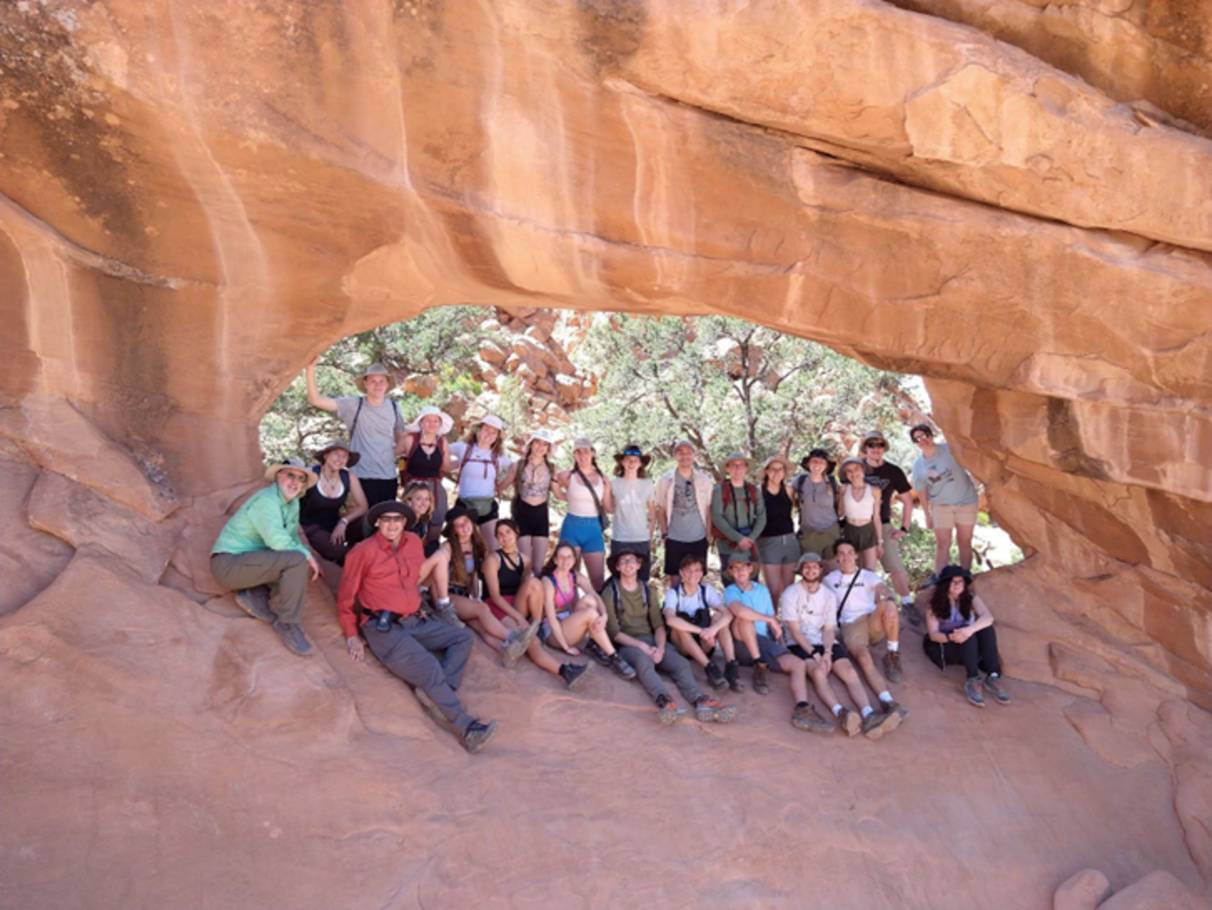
[383, 575]
[759, 642]
[261, 557]
[697, 620]
[635, 625]
[959, 630]
[809, 614]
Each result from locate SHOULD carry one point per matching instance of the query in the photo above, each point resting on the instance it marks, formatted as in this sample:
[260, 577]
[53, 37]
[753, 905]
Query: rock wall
[197, 198]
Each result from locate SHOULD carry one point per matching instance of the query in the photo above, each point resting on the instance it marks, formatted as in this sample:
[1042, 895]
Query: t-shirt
[818, 505]
[479, 477]
[943, 478]
[862, 597]
[629, 615]
[676, 601]
[630, 509]
[813, 612]
[686, 521]
[757, 598]
[889, 480]
[374, 436]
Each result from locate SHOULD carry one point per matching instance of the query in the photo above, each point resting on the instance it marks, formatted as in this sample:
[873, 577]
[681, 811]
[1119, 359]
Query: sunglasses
[877, 445]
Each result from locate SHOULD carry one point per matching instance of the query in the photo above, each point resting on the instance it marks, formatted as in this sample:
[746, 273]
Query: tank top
[955, 621]
[778, 513]
[564, 599]
[580, 501]
[509, 574]
[320, 510]
[861, 510]
[425, 465]
[535, 482]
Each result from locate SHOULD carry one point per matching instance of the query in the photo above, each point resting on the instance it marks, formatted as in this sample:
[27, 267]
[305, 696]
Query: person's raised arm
[314, 398]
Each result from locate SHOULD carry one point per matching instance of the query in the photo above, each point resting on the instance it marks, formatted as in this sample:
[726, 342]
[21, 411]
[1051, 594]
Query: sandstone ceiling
[1009, 197]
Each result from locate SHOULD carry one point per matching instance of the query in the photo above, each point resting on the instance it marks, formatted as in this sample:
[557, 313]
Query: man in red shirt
[382, 574]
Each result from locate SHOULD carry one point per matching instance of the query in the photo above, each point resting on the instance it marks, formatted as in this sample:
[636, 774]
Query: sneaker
[516, 643]
[972, 691]
[573, 673]
[993, 685]
[668, 711]
[477, 734]
[876, 724]
[715, 675]
[594, 650]
[292, 636]
[851, 722]
[761, 684]
[255, 602]
[621, 667]
[892, 666]
[732, 674]
[709, 711]
[894, 707]
[805, 717]
[445, 611]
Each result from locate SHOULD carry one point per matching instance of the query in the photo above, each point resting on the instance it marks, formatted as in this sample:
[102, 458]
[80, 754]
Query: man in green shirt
[261, 556]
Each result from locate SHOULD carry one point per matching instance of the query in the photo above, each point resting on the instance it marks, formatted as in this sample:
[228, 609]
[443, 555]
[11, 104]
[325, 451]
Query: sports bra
[861, 510]
[563, 599]
[509, 574]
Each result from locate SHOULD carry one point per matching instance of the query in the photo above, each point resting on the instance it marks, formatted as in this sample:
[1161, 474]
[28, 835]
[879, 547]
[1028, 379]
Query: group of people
[423, 572]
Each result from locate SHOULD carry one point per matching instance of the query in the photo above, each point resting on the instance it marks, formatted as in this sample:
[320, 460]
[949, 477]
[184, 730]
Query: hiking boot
[911, 615]
[732, 674]
[292, 636]
[709, 711]
[892, 666]
[876, 724]
[851, 722]
[668, 711]
[594, 650]
[572, 673]
[805, 717]
[761, 684]
[993, 685]
[894, 707]
[255, 602]
[621, 667]
[445, 611]
[715, 675]
[972, 691]
[477, 734]
[516, 643]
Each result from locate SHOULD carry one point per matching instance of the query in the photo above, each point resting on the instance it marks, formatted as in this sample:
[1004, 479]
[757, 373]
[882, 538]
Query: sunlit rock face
[198, 197]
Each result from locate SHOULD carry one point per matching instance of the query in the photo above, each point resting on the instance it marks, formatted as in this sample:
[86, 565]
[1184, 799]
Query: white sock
[885, 696]
[867, 710]
[893, 647]
[837, 710]
[907, 601]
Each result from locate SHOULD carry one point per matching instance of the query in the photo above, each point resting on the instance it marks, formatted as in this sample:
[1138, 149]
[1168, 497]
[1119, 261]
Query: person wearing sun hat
[634, 516]
[337, 489]
[260, 557]
[778, 547]
[375, 430]
[589, 503]
[482, 471]
[959, 630]
[533, 482]
[816, 493]
[425, 461]
[893, 485]
[738, 511]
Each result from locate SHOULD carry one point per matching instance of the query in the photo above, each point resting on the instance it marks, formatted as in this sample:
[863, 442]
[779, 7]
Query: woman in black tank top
[426, 455]
[778, 547]
[320, 509]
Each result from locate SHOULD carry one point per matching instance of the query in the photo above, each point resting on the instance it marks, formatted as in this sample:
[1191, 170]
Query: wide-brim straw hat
[375, 369]
[354, 457]
[271, 472]
[430, 411]
[635, 450]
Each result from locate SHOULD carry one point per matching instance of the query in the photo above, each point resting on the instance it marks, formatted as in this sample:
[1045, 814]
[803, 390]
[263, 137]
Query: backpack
[613, 584]
[751, 494]
[468, 446]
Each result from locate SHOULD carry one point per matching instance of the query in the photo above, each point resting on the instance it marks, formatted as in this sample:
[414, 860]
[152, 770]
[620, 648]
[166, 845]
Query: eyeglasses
[391, 520]
[877, 445]
[297, 478]
[920, 437]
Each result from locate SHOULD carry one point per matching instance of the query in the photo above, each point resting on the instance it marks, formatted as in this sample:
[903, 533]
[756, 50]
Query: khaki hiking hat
[777, 459]
[683, 442]
[583, 442]
[492, 420]
[375, 369]
[736, 456]
[873, 435]
[847, 462]
[271, 473]
[354, 457]
[430, 411]
[807, 558]
[542, 435]
[741, 558]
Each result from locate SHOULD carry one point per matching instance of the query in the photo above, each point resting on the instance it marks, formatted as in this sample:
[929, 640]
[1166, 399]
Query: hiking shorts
[944, 518]
[862, 633]
[584, 533]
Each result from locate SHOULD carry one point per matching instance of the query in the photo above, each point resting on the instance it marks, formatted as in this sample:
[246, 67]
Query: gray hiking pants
[672, 664]
[406, 649]
[285, 572]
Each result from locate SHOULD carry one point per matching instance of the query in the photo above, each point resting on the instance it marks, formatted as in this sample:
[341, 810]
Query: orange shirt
[381, 577]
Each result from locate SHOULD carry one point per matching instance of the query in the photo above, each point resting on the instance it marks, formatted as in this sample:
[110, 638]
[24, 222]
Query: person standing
[948, 494]
[859, 504]
[816, 491]
[533, 482]
[634, 510]
[589, 503]
[738, 512]
[683, 499]
[778, 547]
[482, 471]
[375, 431]
[892, 483]
[425, 462]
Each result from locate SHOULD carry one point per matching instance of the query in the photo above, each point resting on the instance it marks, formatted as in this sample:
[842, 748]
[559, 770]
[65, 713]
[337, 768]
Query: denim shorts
[584, 533]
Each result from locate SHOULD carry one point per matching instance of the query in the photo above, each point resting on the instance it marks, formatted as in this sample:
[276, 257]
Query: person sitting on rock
[573, 613]
[959, 630]
[424, 448]
[867, 612]
[383, 575]
[465, 552]
[589, 501]
[683, 500]
[634, 623]
[948, 495]
[759, 642]
[261, 556]
[697, 621]
[515, 596]
[482, 470]
[809, 614]
[320, 507]
[738, 512]
[375, 428]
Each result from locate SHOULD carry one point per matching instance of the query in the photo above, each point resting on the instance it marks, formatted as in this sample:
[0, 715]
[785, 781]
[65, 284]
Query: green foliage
[917, 553]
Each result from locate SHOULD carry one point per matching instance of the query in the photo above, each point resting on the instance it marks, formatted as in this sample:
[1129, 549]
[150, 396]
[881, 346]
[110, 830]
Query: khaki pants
[286, 572]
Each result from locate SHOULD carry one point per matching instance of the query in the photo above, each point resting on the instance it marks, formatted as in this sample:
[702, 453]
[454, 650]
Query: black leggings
[977, 654]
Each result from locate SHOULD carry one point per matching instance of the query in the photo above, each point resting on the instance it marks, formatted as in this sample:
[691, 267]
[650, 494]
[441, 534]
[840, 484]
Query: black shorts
[533, 521]
[676, 551]
[839, 651]
[770, 649]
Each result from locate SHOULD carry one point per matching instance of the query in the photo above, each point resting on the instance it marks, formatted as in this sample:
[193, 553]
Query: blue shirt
[944, 480]
[757, 599]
